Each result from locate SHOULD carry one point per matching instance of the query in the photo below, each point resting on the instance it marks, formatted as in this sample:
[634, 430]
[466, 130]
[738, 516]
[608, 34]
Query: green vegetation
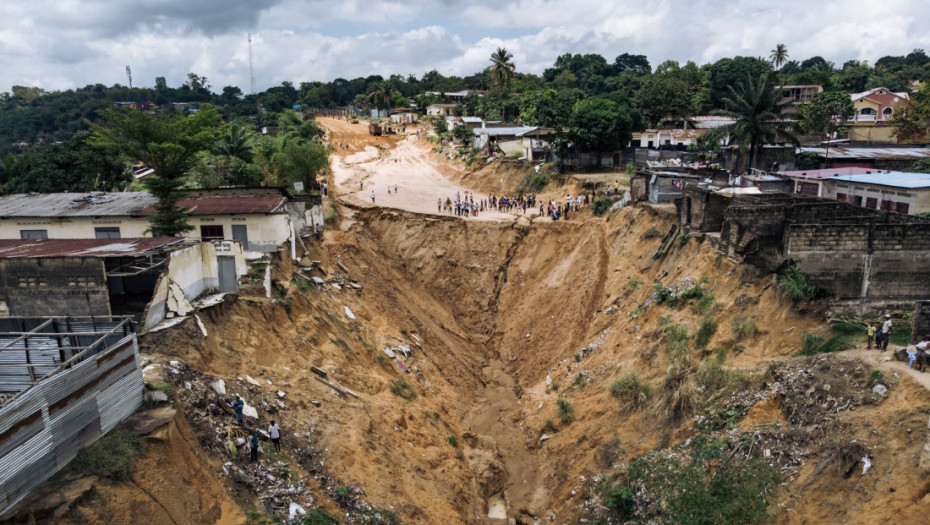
[318, 516]
[631, 390]
[454, 441]
[745, 328]
[110, 457]
[566, 412]
[705, 303]
[705, 332]
[698, 484]
[601, 205]
[842, 338]
[794, 285]
[651, 233]
[401, 388]
[632, 285]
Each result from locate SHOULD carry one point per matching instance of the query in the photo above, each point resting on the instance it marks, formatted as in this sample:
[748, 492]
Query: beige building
[262, 219]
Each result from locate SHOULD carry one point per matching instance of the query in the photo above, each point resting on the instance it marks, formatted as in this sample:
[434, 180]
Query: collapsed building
[870, 260]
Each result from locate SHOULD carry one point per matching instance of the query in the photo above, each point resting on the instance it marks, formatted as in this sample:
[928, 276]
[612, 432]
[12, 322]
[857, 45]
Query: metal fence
[68, 381]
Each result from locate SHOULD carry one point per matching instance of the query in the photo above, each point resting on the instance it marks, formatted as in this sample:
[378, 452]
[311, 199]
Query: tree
[825, 113]
[779, 55]
[636, 64]
[501, 68]
[912, 118]
[74, 165]
[463, 134]
[167, 143]
[601, 125]
[664, 97]
[549, 108]
[756, 106]
[728, 72]
[382, 95]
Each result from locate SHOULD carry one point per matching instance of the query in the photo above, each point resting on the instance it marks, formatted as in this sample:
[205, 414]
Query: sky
[62, 44]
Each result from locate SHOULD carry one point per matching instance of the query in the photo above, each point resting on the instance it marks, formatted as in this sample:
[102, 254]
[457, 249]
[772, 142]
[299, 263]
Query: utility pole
[251, 64]
[129, 74]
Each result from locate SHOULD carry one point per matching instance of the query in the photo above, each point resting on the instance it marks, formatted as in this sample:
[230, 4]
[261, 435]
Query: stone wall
[921, 321]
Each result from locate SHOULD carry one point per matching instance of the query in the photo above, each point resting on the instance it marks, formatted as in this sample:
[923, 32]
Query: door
[227, 271]
[241, 233]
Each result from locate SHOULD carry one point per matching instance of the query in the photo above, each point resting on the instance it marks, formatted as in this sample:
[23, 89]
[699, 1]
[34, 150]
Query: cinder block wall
[74, 286]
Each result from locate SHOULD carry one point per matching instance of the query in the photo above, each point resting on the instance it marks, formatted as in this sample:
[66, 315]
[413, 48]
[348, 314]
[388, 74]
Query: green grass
[793, 285]
[110, 457]
[566, 411]
[454, 441]
[401, 388]
[745, 328]
[705, 332]
[601, 205]
[651, 233]
[631, 390]
[319, 516]
[705, 303]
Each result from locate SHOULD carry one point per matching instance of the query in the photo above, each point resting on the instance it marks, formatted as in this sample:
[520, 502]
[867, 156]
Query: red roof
[226, 205]
[10, 248]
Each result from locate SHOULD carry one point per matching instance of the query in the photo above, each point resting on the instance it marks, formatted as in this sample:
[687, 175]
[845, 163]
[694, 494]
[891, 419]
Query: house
[65, 382]
[440, 110]
[468, 122]
[796, 95]
[148, 278]
[668, 139]
[505, 138]
[660, 186]
[885, 157]
[403, 116]
[262, 219]
[457, 96]
[896, 191]
[537, 144]
[871, 122]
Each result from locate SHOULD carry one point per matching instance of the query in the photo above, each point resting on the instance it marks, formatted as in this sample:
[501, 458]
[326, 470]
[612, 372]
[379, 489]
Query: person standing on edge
[253, 445]
[237, 406]
[870, 335]
[886, 332]
[275, 432]
[372, 196]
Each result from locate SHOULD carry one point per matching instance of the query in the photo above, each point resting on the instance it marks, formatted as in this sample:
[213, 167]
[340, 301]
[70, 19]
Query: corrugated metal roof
[98, 204]
[895, 179]
[829, 172]
[870, 153]
[503, 131]
[10, 248]
[127, 204]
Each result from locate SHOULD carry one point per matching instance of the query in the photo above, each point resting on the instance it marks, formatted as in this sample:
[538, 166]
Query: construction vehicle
[374, 129]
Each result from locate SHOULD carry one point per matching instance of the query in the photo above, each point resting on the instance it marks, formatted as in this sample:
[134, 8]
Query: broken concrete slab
[249, 380]
[168, 323]
[176, 302]
[155, 396]
[349, 313]
[203, 329]
[389, 352]
[342, 267]
[219, 386]
[146, 422]
[208, 301]
[318, 371]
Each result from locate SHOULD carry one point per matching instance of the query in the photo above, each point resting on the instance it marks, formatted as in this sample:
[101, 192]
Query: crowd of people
[465, 205]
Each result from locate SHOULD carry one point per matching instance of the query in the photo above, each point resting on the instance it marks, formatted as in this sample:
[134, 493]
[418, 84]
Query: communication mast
[129, 74]
[251, 64]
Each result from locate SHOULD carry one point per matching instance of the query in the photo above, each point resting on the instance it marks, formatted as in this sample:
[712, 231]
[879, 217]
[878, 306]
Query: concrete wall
[921, 321]
[35, 287]
[193, 270]
[266, 232]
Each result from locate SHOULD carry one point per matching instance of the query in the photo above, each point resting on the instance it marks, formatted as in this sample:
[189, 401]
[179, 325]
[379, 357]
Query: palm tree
[235, 141]
[757, 108]
[779, 56]
[382, 95]
[501, 68]
[501, 71]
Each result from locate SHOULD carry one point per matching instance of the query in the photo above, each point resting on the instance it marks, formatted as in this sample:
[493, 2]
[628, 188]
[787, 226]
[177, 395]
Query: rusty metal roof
[230, 205]
[11, 248]
[870, 153]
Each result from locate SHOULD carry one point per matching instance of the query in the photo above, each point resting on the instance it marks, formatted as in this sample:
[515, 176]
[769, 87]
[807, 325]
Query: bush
[319, 516]
[110, 457]
[745, 328]
[601, 205]
[814, 344]
[630, 390]
[794, 285]
[566, 412]
[651, 233]
[454, 441]
[705, 332]
[704, 303]
[401, 388]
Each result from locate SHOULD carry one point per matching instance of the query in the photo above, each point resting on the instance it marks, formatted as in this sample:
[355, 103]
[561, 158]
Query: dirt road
[401, 172]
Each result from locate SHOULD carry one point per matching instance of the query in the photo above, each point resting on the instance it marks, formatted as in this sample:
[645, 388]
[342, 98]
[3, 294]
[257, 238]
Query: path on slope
[367, 164]
[406, 162]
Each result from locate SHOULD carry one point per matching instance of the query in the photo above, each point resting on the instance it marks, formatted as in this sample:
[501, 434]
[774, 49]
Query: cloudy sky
[60, 44]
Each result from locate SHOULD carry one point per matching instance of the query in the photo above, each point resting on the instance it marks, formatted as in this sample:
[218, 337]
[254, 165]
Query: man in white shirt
[886, 331]
[274, 431]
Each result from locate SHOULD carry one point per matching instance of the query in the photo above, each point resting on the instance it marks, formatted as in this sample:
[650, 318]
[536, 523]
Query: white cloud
[71, 43]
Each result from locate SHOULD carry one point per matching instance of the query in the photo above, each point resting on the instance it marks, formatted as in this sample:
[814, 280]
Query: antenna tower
[251, 64]
[129, 74]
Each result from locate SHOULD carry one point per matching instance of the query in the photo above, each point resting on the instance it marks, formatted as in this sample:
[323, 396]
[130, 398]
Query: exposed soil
[504, 315]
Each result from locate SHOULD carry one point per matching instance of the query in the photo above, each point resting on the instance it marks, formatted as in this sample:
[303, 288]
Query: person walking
[372, 196]
[886, 332]
[253, 445]
[237, 405]
[275, 432]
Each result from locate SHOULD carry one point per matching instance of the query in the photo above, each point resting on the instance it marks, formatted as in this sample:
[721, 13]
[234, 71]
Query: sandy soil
[408, 168]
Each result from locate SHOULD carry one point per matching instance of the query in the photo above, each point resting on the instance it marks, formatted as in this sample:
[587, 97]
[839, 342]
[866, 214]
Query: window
[33, 234]
[841, 197]
[887, 205]
[867, 111]
[902, 207]
[106, 233]
[858, 200]
[211, 233]
[886, 113]
[871, 202]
